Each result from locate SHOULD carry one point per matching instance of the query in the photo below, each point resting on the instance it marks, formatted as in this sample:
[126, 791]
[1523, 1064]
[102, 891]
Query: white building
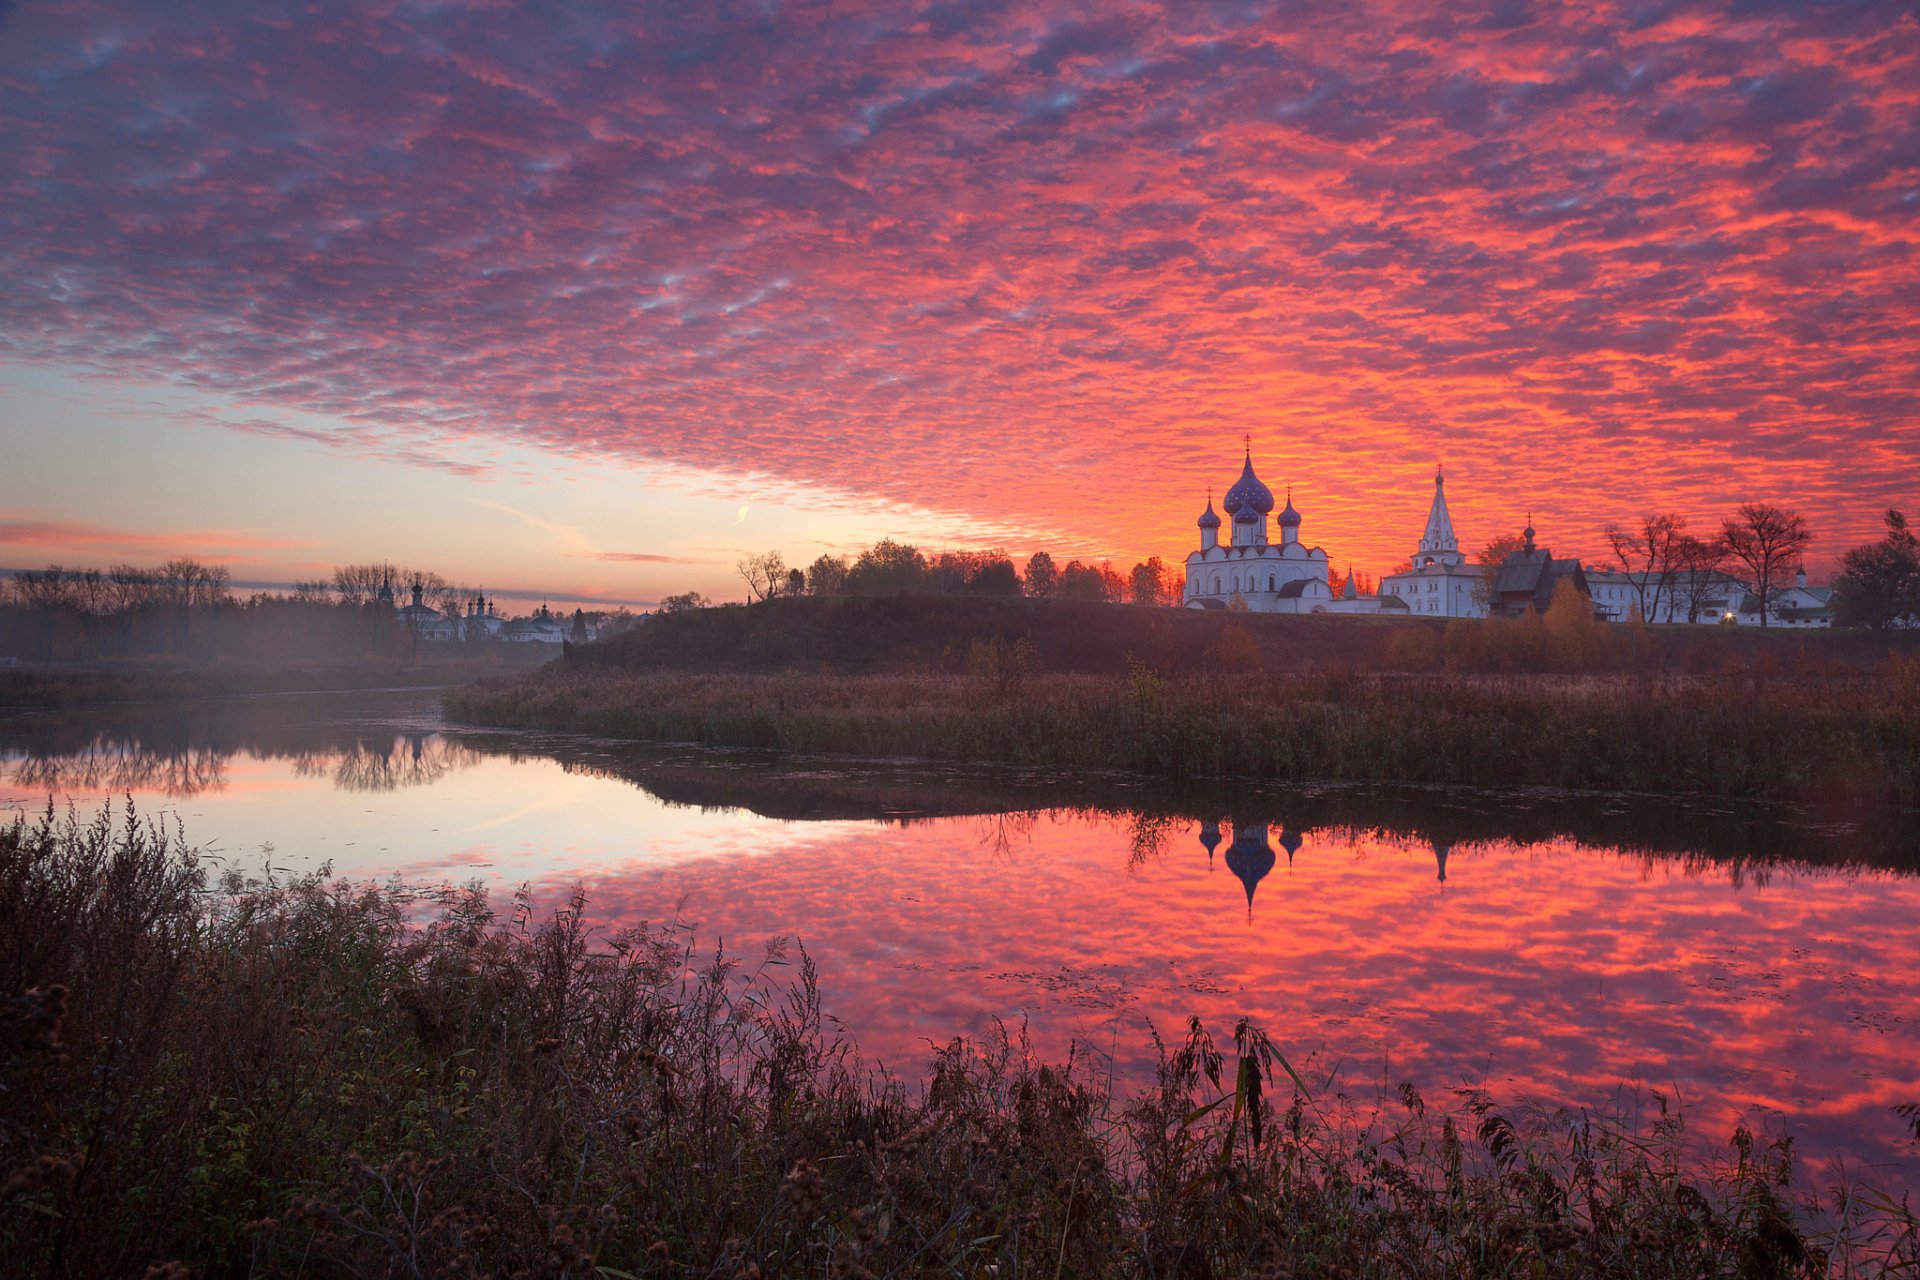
[1289, 577]
[1719, 600]
[1440, 583]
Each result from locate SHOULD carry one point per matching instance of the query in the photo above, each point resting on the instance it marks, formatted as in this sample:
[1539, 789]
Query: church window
[1216, 584]
[1270, 586]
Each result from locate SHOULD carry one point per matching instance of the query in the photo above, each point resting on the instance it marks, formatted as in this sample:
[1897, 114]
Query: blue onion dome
[1290, 518]
[1248, 493]
[1208, 520]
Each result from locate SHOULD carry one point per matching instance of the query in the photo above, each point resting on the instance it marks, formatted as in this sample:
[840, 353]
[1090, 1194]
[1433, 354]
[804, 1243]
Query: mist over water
[1755, 966]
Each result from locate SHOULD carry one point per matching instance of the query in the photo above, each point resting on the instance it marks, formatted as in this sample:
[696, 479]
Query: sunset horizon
[597, 306]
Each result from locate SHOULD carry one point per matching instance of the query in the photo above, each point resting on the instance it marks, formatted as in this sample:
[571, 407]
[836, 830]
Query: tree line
[186, 609]
[889, 568]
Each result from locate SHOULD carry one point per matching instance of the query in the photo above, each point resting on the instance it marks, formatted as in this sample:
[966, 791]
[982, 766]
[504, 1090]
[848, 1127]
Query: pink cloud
[1031, 263]
[88, 537]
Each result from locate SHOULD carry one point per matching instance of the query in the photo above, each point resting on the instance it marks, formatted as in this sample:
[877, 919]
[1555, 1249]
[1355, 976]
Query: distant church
[1438, 582]
[1267, 578]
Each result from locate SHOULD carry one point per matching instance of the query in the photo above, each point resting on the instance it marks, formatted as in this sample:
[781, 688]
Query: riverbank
[308, 1077]
[1851, 735]
[36, 688]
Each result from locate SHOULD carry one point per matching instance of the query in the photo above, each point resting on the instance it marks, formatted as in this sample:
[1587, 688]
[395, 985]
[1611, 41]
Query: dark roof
[1206, 604]
[1294, 590]
[1528, 579]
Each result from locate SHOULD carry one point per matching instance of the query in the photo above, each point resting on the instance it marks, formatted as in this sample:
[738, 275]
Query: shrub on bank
[256, 1079]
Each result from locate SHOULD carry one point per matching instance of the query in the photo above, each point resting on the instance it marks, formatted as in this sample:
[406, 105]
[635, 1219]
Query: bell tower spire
[1438, 542]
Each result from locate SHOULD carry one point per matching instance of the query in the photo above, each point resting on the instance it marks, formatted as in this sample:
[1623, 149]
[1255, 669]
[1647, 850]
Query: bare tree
[1491, 557]
[360, 583]
[1769, 541]
[1646, 556]
[764, 574]
[1699, 570]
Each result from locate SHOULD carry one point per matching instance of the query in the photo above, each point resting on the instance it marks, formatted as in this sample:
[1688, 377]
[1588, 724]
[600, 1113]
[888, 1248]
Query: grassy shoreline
[1855, 735]
[44, 688]
[247, 1079]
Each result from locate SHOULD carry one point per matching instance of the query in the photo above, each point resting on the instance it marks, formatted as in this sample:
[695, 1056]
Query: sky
[593, 299]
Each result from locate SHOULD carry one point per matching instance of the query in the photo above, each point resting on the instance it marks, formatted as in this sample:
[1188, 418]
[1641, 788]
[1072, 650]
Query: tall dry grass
[1741, 735]
[310, 1078]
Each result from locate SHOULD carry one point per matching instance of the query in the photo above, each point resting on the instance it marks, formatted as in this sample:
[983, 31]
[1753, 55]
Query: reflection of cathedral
[1250, 857]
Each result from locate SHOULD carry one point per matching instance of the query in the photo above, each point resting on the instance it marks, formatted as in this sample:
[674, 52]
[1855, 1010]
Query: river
[1753, 966]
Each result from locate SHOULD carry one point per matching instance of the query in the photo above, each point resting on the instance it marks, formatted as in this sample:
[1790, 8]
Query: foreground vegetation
[254, 1079]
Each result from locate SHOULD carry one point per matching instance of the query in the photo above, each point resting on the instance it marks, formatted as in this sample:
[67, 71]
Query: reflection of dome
[1248, 494]
[1210, 837]
[1291, 842]
[1250, 857]
[1441, 849]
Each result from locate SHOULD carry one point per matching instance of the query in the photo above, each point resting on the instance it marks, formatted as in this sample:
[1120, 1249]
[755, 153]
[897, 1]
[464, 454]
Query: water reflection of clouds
[1539, 967]
[1549, 972]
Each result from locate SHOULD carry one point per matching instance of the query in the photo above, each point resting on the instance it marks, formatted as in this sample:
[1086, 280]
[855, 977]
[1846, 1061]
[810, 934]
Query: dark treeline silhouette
[1878, 586]
[188, 611]
[892, 568]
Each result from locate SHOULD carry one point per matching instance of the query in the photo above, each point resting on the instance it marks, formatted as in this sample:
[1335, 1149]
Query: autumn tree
[1878, 586]
[1081, 582]
[683, 602]
[827, 576]
[995, 576]
[1148, 582]
[888, 567]
[1043, 576]
[1770, 541]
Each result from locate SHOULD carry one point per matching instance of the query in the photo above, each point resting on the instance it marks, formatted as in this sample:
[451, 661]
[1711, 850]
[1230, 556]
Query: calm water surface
[1762, 968]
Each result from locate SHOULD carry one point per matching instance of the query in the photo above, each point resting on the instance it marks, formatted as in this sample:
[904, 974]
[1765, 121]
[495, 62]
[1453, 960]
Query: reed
[246, 1078]
[1746, 735]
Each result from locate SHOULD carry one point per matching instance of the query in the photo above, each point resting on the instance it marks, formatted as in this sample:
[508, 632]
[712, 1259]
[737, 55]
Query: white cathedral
[1292, 577]
[1286, 578]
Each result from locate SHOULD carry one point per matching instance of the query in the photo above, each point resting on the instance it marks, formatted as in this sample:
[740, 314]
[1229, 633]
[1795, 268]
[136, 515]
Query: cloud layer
[1033, 262]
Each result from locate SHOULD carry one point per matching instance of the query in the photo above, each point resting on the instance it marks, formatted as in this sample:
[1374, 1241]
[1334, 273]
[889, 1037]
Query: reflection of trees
[413, 760]
[1149, 837]
[106, 766]
[1004, 830]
